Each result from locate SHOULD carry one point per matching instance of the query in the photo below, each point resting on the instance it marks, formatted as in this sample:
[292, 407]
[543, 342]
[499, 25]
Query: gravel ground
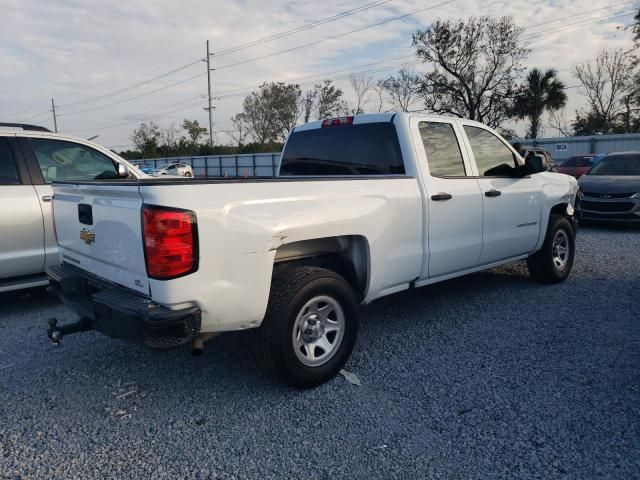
[488, 376]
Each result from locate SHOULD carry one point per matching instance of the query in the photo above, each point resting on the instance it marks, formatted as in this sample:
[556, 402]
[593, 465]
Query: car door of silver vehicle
[512, 205]
[21, 225]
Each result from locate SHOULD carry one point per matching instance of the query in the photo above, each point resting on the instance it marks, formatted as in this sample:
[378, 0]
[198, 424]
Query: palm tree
[541, 91]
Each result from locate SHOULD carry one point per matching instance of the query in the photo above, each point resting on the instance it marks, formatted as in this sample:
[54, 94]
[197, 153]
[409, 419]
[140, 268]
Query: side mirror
[123, 171]
[534, 164]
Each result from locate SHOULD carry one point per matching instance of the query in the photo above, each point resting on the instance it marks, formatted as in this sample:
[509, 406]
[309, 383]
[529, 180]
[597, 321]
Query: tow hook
[55, 332]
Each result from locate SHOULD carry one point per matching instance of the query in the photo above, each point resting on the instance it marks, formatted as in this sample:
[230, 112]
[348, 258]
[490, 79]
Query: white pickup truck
[362, 207]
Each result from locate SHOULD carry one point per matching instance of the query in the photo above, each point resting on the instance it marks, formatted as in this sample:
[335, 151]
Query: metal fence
[565, 147]
[243, 165]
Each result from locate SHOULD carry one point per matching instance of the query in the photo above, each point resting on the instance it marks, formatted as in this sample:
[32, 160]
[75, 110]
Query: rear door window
[443, 151]
[60, 160]
[365, 149]
[8, 169]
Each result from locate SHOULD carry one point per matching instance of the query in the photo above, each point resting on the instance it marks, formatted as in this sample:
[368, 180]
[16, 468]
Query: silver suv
[31, 157]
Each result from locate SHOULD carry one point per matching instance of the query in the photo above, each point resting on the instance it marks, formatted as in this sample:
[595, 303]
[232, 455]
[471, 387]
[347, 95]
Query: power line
[119, 102]
[341, 77]
[230, 94]
[333, 37]
[576, 15]
[36, 116]
[301, 28]
[352, 70]
[145, 115]
[226, 51]
[130, 87]
[576, 24]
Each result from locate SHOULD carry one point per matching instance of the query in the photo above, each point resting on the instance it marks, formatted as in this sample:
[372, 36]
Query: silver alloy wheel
[318, 330]
[560, 249]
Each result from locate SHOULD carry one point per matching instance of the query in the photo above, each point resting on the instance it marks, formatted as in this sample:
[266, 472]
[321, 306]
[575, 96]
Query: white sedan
[179, 169]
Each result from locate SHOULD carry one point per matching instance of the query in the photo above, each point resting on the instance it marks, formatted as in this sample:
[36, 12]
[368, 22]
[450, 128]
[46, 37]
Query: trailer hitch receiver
[55, 332]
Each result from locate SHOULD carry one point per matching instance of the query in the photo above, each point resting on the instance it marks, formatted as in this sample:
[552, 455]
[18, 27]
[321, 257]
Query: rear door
[21, 228]
[512, 205]
[454, 202]
[99, 230]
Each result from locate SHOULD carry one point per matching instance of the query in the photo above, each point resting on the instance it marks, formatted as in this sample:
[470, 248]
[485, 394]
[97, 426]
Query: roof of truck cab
[387, 117]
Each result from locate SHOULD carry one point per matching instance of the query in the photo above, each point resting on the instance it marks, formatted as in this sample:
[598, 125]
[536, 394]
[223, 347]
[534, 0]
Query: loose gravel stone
[486, 376]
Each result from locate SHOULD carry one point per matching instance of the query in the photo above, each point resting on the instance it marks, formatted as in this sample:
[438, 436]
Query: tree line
[474, 69]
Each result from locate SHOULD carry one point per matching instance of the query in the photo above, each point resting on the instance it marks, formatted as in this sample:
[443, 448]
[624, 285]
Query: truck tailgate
[99, 230]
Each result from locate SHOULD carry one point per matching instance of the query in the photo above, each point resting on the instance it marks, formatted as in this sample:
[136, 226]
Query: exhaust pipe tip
[197, 347]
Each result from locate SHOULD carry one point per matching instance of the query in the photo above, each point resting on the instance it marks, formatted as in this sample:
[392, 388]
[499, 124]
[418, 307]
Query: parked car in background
[577, 165]
[544, 156]
[31, 157]
[178, 169]
[362, 207]
[145, 168]
[610, 191]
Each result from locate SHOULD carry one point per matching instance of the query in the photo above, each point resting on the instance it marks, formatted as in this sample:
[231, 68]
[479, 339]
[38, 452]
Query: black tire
[187, 174]
[291, 290]
[542, 265]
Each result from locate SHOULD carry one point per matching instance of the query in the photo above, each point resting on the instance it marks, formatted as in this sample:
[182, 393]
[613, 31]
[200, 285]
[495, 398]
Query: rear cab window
[441, 146]
[344, 150]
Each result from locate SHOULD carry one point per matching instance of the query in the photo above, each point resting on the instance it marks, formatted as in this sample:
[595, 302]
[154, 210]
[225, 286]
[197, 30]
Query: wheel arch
[346, 255]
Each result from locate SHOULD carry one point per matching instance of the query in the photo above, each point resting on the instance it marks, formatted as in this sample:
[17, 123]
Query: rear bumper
[120, 313]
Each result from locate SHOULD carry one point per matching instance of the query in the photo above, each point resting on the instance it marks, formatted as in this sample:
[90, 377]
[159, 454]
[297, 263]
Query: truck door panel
[511, 205]
[454, 204]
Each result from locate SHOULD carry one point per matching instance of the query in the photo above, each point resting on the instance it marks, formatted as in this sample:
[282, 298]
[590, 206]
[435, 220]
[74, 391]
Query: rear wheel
[187, 174]
[553, 262]
[310, 327]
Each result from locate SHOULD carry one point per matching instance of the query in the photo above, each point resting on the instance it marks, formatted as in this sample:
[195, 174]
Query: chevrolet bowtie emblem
[87, 236]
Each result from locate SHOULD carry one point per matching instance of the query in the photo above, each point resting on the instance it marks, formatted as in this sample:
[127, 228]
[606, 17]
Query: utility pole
[55, 120]
[210, 107]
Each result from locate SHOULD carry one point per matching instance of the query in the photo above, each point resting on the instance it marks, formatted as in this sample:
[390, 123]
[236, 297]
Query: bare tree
[473, 67]
[169, 136]
[361, 85]
[609, 87]
[558, 121]
[402, 90]
[379, 89]
[241, 130]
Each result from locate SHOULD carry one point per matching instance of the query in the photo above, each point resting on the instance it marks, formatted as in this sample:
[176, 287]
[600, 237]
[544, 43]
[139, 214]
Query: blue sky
[75, 51]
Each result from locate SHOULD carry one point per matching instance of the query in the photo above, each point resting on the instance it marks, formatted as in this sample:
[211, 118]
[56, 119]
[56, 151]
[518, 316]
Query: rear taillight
[170, 242]
[335, 122]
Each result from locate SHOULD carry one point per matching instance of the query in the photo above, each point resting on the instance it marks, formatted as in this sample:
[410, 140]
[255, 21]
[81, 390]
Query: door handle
[492, 193]
[441, 196]
[47, 198]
